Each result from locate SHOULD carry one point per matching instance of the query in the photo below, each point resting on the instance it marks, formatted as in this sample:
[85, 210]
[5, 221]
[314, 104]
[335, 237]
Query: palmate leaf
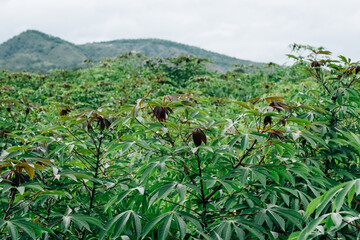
[279, 220]
[252, 227]
[119, 226]
[290, 215]
[283, 217]
[336, 196]
[152, 223]
[180, 218]
[181, 225]
[240, 234]
[181, 189]
[165, 227]
[338, 193]
[244, 142]
[12, 230]
[27, 226]
[23, 224]
[137, 224]
[162, 192]
[75, 175]
[191, 219]
[308, 230]
[353, 140]
[224, 230]
[109, 227]
[82, 221]
[118, 198]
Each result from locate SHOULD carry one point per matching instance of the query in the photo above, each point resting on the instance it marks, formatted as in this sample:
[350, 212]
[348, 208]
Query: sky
[257, 30]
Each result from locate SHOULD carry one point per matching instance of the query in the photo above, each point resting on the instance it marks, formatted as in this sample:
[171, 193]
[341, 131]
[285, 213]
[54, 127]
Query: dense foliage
[140, 148]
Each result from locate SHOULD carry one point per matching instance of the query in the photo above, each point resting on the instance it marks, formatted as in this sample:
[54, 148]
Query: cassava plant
[141, 148]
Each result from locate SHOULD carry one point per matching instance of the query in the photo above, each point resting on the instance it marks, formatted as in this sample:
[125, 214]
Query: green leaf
[300, 121]
[137, 224]
[234, 140]
[336, 218]
[181, 225]
[278, 219]
[80, 222]
[321, 202]
[242, 104]
[121, 223]
[121, 196]
[165, 227]
[181, 190]
[110, 203]
[89, 219]
[339, 200]
[244, 142]
[147, 171]
[261, 177]
[351, 194]
[24, 225]
[8, 155]
[227, 186]
[243, 175]
[311, 227]
[239, 232]
[279, 149]
[253, 229]
[21, 190]
[2, 222]
[193, 114]
[344, 59]
[227, 231]
[325, 200]
[294, 236]
[313, 205]
[153, 222]
[192, 219]
[290, 215]
[66, 222]
[12, 230]
[110, 225]
[292, 56]
[324, 52]
[162, 192]
[192, 186]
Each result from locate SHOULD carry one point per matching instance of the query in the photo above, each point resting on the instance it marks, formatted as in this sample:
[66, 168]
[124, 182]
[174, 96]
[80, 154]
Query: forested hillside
[144, 148]
[35, 51]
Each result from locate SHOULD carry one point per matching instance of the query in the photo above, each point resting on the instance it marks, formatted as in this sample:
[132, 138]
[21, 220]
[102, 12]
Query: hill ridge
[36, 51]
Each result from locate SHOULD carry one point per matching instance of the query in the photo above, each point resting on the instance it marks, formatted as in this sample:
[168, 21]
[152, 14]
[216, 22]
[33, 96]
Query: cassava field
[146, 148]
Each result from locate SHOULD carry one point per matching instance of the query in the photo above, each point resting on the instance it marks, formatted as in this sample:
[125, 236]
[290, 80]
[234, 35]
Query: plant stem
[203, 197]
[97, 166]
[10, 205]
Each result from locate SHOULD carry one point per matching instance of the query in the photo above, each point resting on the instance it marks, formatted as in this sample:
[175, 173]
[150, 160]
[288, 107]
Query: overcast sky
[258, 30]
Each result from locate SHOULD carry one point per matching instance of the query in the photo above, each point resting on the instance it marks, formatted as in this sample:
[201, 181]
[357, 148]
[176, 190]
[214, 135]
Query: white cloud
[257, 30]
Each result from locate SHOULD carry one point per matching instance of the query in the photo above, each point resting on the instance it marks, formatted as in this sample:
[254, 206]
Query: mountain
[39, 52]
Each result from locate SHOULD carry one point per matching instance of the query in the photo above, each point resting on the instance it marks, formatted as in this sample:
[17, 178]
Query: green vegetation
[144, 148]
[38, 52]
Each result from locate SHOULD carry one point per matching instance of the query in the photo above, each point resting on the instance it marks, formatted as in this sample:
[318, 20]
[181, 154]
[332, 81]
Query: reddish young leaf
[198, 136]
